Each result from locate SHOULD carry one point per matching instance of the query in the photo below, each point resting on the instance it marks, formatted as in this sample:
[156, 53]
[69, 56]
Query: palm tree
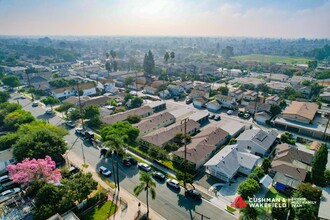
[146, 183]
[108, 64]
[116, 143]
[172, 55]
[166, 57]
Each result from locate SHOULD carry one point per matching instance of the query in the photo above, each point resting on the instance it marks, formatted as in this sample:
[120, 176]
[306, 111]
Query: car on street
[23, 97]
[189, 101]
[144, 166]
[159, 175]
[70, 124]
[10, 192]
[4, 178]
[127, 163]
[217, 118]
[193, 194]
[173, 183]
[132, 160]
[49, 112]
[211, 116]
[104, 171]
[229, 112]
[246, 115]
[79, 131]
[34, 104]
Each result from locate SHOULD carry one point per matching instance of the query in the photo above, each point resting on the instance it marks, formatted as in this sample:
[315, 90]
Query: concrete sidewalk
[132, 210]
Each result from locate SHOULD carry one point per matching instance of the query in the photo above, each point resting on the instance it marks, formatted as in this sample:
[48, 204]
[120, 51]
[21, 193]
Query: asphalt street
[171, 204]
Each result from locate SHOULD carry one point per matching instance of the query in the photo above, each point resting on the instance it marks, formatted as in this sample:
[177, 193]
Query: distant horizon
[158, 36]
[291, 19]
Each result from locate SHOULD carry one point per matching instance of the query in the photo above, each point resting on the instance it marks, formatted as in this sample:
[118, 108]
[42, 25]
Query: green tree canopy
[129, 80]
[224, 90]
[266, 164]
[133, 119]
[14, 119]
[122, 129]
[275, 110]
[248, 188]
[92, 111]
[136, 102]
[4, 96]
[64, 107]
[11, 81]
[149, 65]
[50, 100]
[38, 144]
[319, 166]
[309, 192]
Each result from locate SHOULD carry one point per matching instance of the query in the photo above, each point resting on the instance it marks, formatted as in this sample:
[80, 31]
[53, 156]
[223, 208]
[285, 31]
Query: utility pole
[202, 215]
[83, 153]
[184, 121]
[28, 78]
[80, 108]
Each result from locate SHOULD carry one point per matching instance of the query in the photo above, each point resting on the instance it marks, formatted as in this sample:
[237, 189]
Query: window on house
[248, 147]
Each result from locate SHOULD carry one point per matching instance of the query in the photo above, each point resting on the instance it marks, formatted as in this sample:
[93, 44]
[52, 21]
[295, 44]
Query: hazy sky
[256, 18]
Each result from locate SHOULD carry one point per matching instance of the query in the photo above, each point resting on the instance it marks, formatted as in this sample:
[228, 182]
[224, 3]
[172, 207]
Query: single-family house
[201, 117]
[163, 135]
[64, 92]
[154, 122]
[262, 117]
[303, 112]
[150, 90]
[256, 141]
[257, 107]
[187, 86]
[236, 93]
[203, 145]
[278, 77]
[213, 106]
[165, 94]
[306, 90]
[229, 161]
[157, 106]
[143, 111]
[175, 90]
[203, 86]
[292, 162]
[233, 127]
[273, 100]
[198, 93]
[227, 101]
[200, 102]
[278, 86]
[295, 80]
[250, 95]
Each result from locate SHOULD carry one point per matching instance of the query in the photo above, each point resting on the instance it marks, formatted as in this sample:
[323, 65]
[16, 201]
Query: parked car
[49, 112]
[144, 167]
[159, 175]
[104, 171]
[127, 163]
[23, 97]
[70, 124]
[217, 118]
[229, 112]
[241, 114]
[246, 115]
[79, 131]
[4, 178]
[34, 104]
[189, 101]
[193, 194]
[173, 183]
[211, 116]
[10, 192]
[132, 160]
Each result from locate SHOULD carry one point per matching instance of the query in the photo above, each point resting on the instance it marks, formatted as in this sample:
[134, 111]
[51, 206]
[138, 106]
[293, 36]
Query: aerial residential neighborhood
[164, 110]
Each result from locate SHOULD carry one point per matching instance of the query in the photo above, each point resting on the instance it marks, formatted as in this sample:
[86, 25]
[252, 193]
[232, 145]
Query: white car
[144, 167]
[173, 183]
[10, 192]
[229, 112]
[4, 178]
[79, 131]
[49, 112]
[104, 171]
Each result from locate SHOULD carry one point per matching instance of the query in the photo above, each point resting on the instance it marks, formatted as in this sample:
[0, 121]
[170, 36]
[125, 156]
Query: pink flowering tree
[30, 170]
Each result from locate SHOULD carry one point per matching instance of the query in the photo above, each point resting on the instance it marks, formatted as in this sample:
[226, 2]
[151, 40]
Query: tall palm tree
[166, 57]
[146, 183]
[172, 55]
[116, 143]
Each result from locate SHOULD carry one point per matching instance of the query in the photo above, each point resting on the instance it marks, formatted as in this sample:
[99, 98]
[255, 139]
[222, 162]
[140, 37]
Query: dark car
[211, 116]
[127, 163]
[240, 114]
[159, 175]
[188, 101]
[193, 194]
[132, 160]
[217, 118]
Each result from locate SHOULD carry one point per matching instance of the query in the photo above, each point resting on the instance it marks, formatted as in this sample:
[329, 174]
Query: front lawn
[101, 212]
[273, 193]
